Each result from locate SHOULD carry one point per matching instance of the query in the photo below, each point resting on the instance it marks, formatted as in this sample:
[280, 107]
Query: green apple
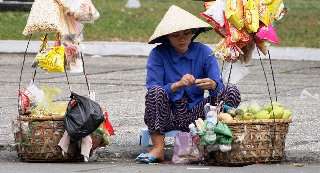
[263, 114]
[239, 112]
[268, 106]
[286, 114]
[276, 113]
[247, 116]
[277, 104]
[254, 108]
[238, 117]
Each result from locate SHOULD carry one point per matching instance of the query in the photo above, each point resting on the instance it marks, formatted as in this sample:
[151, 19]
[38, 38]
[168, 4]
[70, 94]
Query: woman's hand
[206, 84]
[186, 80]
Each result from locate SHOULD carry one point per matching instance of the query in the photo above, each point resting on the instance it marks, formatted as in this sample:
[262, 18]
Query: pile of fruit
[255, 111]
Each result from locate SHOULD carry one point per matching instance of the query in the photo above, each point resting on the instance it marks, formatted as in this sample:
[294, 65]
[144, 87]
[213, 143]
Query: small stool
[145, 136]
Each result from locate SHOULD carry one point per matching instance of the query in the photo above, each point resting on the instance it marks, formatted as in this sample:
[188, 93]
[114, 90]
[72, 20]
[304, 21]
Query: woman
[178, 72]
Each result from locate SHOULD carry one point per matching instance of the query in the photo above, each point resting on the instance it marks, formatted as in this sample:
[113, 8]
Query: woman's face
[180, 40]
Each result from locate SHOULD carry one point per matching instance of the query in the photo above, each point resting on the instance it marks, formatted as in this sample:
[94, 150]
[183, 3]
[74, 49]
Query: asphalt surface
[119, 84]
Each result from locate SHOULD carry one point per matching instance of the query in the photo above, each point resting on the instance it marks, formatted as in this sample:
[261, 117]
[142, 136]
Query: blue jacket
[165, 66]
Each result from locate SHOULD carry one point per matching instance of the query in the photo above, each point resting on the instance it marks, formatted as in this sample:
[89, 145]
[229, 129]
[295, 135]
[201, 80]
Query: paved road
[119, 85]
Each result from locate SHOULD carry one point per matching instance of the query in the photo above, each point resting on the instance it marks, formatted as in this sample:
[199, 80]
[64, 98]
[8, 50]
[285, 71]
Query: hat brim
[177, 19]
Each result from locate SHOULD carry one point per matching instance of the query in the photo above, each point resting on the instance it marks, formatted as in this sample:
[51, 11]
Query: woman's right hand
[186, 80]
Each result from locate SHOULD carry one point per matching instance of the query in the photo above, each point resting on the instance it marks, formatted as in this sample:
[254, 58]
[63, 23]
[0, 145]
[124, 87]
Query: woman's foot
[157, 153]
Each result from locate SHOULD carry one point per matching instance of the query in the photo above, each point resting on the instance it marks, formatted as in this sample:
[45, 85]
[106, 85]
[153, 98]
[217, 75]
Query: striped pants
[161, 117]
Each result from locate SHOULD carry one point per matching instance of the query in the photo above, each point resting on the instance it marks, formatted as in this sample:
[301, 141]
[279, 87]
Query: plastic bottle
[206, 109]
[195, 137]
[212, 116]
[212, 121]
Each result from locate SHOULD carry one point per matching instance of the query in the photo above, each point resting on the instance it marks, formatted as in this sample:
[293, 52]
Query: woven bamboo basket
[38, 138]
[256, 141]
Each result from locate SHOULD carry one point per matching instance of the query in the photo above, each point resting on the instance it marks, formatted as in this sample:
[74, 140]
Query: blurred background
[121, 21]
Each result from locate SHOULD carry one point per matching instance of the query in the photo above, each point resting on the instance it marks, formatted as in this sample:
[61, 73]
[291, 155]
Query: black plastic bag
[83, 116]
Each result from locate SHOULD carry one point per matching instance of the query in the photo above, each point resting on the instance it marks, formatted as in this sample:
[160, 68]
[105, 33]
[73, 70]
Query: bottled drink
[195, 137]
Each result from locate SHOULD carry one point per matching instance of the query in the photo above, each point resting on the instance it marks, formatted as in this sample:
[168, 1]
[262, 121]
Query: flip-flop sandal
[146, 158]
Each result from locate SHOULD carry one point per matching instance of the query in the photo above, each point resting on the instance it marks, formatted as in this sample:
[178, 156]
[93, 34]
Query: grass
[298, 28]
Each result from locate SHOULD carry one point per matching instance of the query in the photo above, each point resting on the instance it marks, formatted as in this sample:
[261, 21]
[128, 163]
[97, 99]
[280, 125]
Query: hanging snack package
[251, 16]
[264, 14]
[52, 61]
[281, 12]
[215, 13]
[45, 17]
[267, 33]
[273, 9]
[221, 49]
[220, 31]
[262, 45]
[234, 35]
[266, 2]
[234, 13]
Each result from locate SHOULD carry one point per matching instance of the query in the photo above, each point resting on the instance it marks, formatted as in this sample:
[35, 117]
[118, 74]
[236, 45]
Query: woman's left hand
[206, 84]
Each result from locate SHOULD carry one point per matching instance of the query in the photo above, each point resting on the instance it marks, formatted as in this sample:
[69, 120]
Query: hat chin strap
[200, 30]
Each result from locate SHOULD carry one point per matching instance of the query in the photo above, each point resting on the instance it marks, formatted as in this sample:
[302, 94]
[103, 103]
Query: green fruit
[262, 115]
[268, 106]
[238, 117]
[277, 104]
[232, 112]
[276, 113]
[255, 108]
[239, 112]
[247, 116]
[286, 114]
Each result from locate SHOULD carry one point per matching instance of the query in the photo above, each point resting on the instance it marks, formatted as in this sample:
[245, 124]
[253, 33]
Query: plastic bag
[34, 93]
[264, 14]
[262, 45]
[47, 107]
[216, 13]
[24, 103]
[224, 134]
[267, 33]
[273, 8]
[233, 35]
[52, 61]
[251, 16]
[107, 124]
[45, 17]
[234, 12]
[185, 151]
[84, 11]
[238, 72]
[83, 116]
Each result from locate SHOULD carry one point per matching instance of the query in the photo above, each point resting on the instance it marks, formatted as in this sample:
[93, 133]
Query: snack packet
[251, 16]
[234, 13]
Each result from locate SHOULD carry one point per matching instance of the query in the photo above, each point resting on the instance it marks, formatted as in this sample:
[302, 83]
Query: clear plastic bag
[238, 72]
[84, 11]
[185, 151]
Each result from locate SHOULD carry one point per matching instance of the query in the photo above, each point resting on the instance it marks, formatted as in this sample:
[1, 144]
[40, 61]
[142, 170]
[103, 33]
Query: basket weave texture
[256, 141]
[38, 140]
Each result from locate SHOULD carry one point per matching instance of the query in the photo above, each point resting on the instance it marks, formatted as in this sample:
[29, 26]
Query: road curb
[143, 49]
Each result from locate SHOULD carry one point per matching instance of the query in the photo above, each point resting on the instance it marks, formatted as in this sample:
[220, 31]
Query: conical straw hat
[177, 19]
